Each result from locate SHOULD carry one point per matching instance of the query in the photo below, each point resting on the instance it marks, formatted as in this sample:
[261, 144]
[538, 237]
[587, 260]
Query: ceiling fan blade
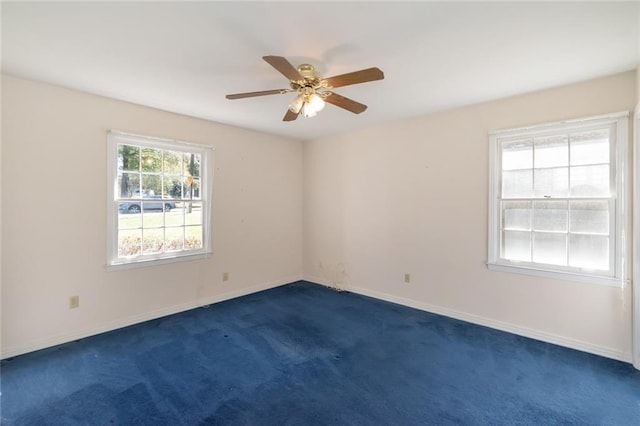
[262, 93]
[290, 115]
[284, 67]
[346, 103]
[356, 77]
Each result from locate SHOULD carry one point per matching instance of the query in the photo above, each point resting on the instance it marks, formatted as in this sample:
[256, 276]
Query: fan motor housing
[311, 79]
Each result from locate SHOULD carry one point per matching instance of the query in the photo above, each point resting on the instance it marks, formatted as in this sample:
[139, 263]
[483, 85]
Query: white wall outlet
[74, 302]
[407, 278]
[225, 276]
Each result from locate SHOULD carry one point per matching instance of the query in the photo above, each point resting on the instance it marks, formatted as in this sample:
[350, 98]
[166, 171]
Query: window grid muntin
[202, 199]
[153, 229]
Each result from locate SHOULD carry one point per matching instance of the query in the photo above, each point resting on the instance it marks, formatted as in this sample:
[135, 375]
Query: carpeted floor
[305, 355]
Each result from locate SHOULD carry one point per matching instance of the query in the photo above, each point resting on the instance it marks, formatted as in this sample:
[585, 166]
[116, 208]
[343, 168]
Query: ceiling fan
[313, 90]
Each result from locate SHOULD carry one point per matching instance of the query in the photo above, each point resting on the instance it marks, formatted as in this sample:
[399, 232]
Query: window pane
[152, 217]
[551, 151]
[193, 213]
[517, 155]
[129, 243]
[517, 184]
[174, 239]
[189, 191]
[193, 237]
[589, 217]
[589, 251]
[172, 162]
[191, 165]
[151, 185]
[551, 182]
[128, 158]
[550, 248]
[590, 147]
[186, 191]
[590, 181]
[195, 172]
[196, 189]
[127, 184]
[516, 215]
[173, 186]
[127, 219]
[151, 160]
[175, 217]
[153, 241]
[550, 216]
[516, 245]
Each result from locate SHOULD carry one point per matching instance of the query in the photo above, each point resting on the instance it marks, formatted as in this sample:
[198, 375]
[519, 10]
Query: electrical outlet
[225, 276]
[74, 302]
[407, 278]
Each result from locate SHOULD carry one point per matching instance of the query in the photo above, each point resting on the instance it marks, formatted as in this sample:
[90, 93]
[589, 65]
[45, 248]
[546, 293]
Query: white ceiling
[184, 57]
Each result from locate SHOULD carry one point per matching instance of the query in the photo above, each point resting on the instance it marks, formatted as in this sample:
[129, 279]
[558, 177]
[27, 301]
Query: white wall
[54, 216]
[411, 197]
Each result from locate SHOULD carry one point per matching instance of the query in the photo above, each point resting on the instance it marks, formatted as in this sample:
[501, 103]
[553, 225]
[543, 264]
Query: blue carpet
[305, 355]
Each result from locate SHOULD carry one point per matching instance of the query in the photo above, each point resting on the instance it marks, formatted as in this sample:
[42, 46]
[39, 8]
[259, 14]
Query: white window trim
[115, 137]
[620, 159]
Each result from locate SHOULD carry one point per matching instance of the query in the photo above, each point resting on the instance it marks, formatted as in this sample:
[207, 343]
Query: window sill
[153, 262]
[560, 275]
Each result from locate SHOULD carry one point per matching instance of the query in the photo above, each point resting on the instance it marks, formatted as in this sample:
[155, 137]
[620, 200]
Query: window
[159, 200]
[557, 199]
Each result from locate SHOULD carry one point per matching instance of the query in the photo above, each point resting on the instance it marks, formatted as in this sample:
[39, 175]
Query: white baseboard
[320, 281]
[488, 322]
[136, 319]
[476, 319]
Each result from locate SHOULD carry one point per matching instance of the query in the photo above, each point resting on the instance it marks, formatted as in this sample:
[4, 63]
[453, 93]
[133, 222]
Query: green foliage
[151, 160]
[143, 168]
[174, 188]
[129, 156]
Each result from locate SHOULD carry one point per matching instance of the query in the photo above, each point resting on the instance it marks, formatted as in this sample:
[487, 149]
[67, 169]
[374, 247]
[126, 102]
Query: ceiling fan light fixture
[296, 104]
[308, 110]
[316, 102]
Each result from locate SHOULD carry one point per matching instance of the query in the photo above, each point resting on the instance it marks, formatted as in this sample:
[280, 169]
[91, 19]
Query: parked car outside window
[135, 206]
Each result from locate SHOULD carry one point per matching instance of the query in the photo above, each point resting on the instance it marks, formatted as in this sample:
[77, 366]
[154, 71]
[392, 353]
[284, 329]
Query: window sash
[569, 234]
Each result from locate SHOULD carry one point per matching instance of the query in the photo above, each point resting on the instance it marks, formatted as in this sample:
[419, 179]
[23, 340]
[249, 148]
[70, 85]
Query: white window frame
[114, 138]
[619, 223]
